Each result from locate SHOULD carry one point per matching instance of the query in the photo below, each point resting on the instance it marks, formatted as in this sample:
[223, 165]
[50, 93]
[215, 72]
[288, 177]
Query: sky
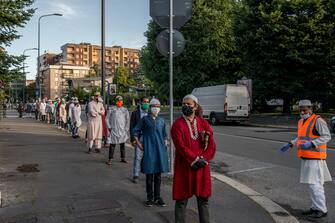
[126, 22]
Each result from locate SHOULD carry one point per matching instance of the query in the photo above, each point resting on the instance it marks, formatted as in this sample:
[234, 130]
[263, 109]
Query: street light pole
[171, 86]
[38, 81]
[103, 65]
[25, 76]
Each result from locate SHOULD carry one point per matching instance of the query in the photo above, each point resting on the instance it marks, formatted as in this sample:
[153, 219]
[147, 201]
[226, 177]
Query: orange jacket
[305, 134]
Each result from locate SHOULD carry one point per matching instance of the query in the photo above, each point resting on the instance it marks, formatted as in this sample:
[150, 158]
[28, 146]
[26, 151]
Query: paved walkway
[64, 184]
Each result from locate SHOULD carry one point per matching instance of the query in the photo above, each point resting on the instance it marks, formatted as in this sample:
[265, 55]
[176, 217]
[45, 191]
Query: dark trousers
[180, 210]
[153, 186]
[36, 115]
[112, 150]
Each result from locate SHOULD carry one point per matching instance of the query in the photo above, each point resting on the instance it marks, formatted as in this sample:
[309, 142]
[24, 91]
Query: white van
[222, 103]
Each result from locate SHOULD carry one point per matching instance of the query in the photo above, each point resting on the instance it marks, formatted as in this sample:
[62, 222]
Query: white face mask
[155, 111]
[305, 116]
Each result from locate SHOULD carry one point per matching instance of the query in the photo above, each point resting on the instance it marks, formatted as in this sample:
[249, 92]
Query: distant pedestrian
[42, 107]
[155, 158]
[195, 148]
[76, 118]
[29, 109]
[118, 125]
[37, 109]
[136, 116]
[4, 109]
[94, 126]
[69, 115]
[49, 110]
[20, 109]
[313, 136]
[63, 114]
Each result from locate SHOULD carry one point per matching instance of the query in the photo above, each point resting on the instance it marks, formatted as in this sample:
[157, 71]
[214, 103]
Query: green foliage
[13, 14]
[287, 47]
[209, 57]
[80, 93]
[123, 80]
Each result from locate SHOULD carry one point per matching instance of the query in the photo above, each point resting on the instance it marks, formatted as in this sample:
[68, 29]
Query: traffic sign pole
[171, 87]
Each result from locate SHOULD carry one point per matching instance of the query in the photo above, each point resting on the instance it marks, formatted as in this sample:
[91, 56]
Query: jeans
[137, 161]
[153, 186]
[180, 210]
[122, 150]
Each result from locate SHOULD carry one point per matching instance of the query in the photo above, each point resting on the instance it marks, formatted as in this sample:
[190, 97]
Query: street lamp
[25, 76]
[38, 82]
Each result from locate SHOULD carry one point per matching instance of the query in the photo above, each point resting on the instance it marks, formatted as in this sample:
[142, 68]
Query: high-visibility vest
[305, 134]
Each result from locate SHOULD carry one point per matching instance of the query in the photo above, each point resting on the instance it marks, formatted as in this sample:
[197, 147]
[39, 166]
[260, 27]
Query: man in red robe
[195, 148]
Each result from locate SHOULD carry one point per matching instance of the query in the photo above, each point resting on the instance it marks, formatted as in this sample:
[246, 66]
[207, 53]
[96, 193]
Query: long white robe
[118, 122]
[76, 113]
[42, 108]
[94, 126]
[62, 113]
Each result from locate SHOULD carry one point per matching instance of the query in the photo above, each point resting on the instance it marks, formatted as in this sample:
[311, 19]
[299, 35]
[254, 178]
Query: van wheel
[214, 120]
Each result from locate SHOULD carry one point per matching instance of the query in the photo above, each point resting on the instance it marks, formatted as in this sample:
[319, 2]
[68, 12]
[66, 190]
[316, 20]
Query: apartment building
[54, 78]
[85, 54]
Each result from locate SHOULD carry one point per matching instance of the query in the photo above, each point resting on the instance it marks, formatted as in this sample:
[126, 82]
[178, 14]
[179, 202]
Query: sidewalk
[67, 185]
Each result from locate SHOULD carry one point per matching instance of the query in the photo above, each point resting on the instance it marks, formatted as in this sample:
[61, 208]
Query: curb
[278, 214]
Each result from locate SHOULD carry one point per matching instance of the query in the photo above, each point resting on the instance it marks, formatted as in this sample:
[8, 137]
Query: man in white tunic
[42, 110]
[313, 136]
[94, 126]
[118, 124]
[76, 119]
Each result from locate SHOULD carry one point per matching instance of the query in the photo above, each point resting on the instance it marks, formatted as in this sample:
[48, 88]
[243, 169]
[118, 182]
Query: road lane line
[249, 170]
[259, 139]
[278, 214]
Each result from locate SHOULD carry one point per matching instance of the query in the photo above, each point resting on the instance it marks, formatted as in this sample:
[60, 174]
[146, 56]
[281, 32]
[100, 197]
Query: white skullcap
[155, 101]
[305, 103]
[192, 97]
[119, 98]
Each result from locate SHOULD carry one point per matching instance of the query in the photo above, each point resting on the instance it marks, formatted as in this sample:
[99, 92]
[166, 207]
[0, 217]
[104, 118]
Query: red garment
[105, 131]
[186, 181]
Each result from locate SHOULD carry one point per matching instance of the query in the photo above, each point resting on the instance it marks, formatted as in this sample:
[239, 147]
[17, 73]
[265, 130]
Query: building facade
[85, 54]
[80, 61]
[54, 78]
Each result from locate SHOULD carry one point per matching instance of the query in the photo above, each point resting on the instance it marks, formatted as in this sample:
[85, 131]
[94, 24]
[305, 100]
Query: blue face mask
[305, 116]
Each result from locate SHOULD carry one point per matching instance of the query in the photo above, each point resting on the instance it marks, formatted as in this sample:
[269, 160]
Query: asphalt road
[250, 155]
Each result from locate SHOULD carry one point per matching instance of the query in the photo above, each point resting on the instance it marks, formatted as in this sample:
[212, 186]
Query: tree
[123, 80]
[285, 47]
[209, 57]
[13, 14]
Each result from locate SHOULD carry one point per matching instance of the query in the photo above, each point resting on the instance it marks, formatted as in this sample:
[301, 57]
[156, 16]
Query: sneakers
[124, 161]
[308, 212]
[149, 203]
[160, 202]
[318, 214]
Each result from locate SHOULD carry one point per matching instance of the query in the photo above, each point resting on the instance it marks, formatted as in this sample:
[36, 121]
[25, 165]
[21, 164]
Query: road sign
[160, 10]
[111, 89]
[163, 43]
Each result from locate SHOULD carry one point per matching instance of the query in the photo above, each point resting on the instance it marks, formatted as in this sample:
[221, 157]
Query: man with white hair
[313, 136]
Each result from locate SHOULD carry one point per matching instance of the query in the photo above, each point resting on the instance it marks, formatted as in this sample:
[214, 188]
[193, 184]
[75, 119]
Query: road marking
[259, 139]
[249, 137]
[249, 170]
[267, 204]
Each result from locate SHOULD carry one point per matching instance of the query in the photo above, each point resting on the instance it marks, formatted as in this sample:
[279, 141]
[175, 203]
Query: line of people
[65, 114]
[146, 130]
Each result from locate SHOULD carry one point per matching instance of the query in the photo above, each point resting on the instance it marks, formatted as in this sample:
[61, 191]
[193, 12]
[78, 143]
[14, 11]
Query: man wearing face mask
[195, 148]
[141, 111]
[313, 136]
[152, 129]
[118, 125]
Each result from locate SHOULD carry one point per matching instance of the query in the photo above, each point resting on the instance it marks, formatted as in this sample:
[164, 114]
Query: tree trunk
[287, 106]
